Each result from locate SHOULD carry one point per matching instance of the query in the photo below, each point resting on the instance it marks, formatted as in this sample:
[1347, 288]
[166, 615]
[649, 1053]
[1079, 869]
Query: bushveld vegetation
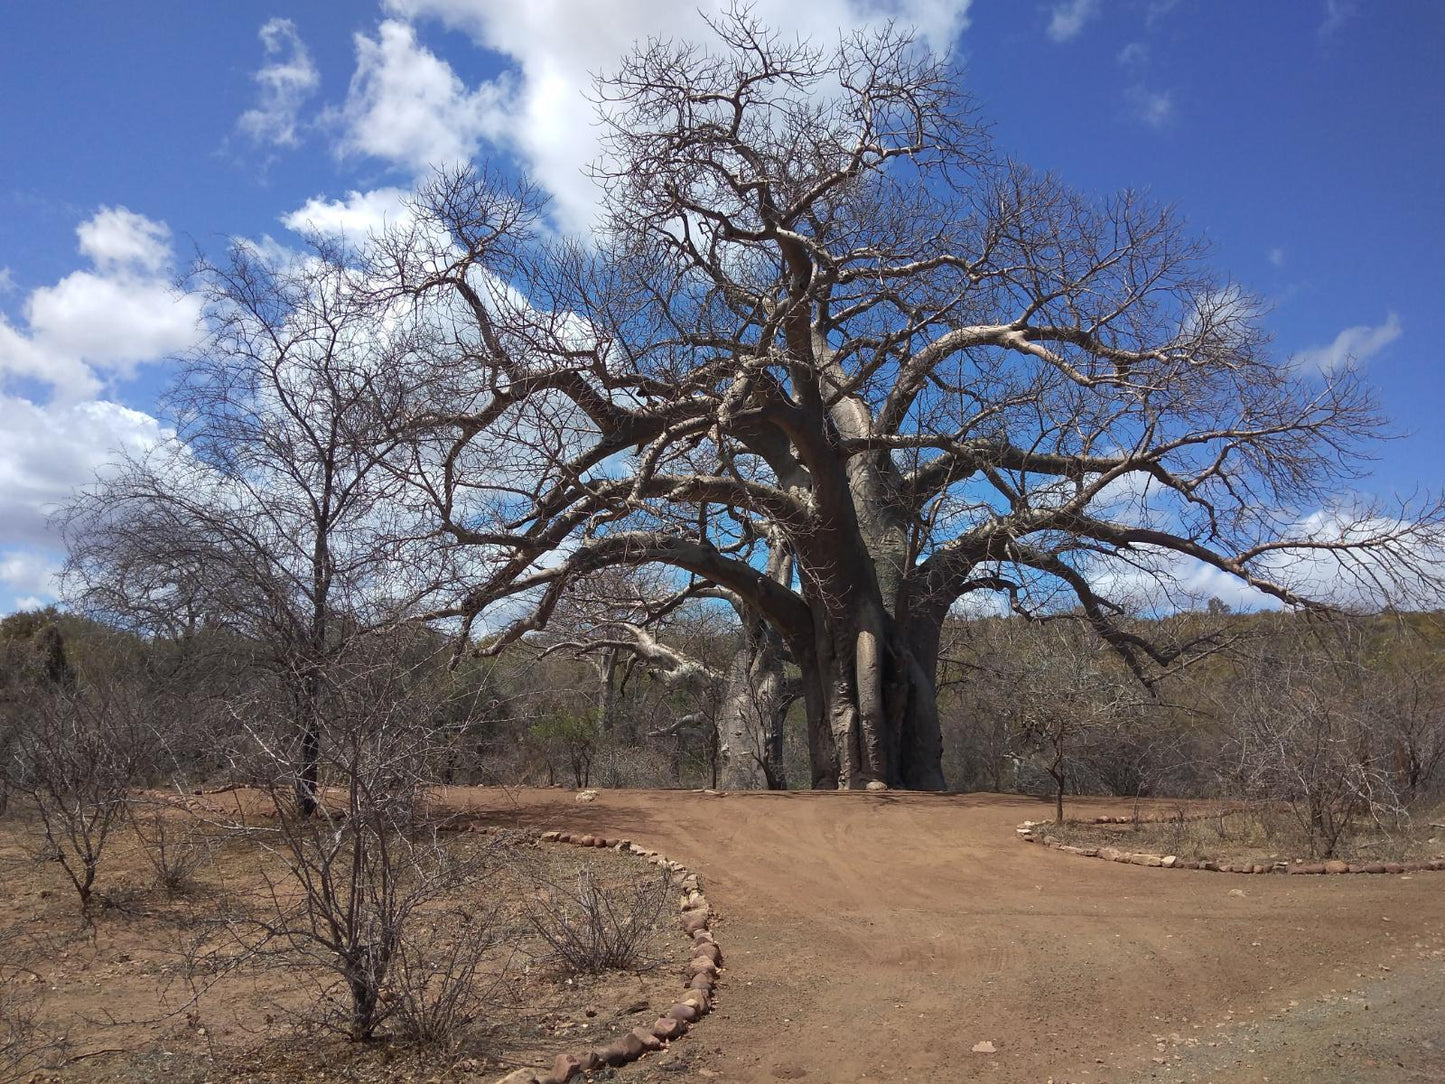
[708, 501]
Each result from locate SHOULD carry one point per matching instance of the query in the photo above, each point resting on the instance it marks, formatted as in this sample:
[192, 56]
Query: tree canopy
[822, 314]
[831, 357]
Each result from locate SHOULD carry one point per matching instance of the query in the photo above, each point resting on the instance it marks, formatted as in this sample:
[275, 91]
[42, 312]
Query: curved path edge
[1033, 832]
[692, 1005]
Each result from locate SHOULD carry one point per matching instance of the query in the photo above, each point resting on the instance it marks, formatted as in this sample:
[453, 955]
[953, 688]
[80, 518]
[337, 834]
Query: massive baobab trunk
[869, 685]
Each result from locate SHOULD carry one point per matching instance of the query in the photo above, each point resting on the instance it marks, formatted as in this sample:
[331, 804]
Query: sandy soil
[118, 993]
[881, 937]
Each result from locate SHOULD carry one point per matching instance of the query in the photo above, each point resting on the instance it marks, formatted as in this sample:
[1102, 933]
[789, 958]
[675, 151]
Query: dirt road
[881, 937]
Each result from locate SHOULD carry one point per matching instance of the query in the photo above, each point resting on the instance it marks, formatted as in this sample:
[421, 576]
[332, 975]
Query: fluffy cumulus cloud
[119, 241]
[355, 216]
[97, 324]
[1353, 346]
[29, 576]
[79, 335]
[1067, 20]
[285, 81]
[408, 106]
[47, 452]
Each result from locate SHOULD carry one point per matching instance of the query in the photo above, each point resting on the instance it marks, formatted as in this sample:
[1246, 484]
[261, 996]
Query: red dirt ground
[880, 937]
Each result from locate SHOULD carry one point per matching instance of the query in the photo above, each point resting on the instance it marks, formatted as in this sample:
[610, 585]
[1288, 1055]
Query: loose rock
[668, 1028]
[564, 1068]
[648, 1040]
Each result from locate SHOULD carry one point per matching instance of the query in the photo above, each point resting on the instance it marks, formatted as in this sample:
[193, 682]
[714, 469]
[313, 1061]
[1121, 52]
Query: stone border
[702, 971]
[1032, 832]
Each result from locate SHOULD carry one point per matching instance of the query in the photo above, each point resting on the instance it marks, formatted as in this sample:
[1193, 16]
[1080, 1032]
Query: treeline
[1339, 712]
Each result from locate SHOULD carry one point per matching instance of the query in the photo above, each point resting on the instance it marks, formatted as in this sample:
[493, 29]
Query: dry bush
[176, 853]
[366, 865]
[74, 763]
[1307, 730]
[620, 767]
[442, 979]
[602, 927]
[26, 1046]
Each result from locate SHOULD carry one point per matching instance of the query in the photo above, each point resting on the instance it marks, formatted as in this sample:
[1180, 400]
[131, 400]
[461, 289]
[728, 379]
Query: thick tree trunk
[873, 711]
[751, 714]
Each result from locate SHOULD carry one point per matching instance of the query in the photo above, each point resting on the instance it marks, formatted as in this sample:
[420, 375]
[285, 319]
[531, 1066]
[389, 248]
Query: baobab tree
[820, 312]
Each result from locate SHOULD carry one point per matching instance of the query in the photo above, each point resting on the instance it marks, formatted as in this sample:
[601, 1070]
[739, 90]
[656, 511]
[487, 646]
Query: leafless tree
[271, 513]
[365, 866]
[1313, 726]
[1066, 693]
[821, 309]
[741, 705]
[74, 762]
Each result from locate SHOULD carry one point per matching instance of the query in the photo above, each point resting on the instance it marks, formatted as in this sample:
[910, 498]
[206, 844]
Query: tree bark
[751, 715]
[308, 777]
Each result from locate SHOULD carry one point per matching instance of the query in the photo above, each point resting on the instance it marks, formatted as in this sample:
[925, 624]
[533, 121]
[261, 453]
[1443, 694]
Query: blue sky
[1303, 139]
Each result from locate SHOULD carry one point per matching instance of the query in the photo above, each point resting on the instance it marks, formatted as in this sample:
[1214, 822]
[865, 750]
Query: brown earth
[884, 936]
[149, 992]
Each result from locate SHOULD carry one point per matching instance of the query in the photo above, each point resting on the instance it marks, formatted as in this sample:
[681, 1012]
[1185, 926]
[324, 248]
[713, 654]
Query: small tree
[1309, 728]
[365, 860]
[274, 513]
[74, 762]
[1065, 690]
[569, 737]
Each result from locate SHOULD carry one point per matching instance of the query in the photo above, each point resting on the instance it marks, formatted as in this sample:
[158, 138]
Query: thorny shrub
[602, 926]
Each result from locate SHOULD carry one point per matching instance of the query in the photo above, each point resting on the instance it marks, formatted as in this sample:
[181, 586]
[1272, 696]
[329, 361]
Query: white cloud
[110, 322]
[537, 108]
[48, 451]
[1353, 346]
[408, 106]
[286, 80]
[1153, 107]
[1068, 19]
[1136, 52]
[7, 280]
[98, 324]
[119, 241]
[355, 216]
[29, 572]
[1276, 256]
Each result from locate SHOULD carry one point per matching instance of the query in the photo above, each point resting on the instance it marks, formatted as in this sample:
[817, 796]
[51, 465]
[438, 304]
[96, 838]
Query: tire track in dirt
[880, 937]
